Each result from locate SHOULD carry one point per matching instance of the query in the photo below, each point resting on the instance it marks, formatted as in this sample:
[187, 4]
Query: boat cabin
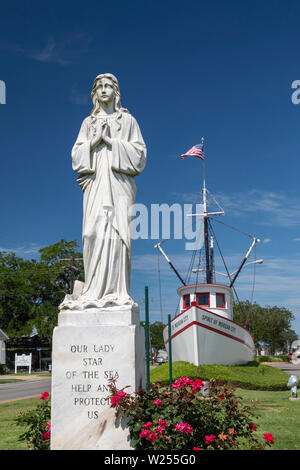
[216, 298]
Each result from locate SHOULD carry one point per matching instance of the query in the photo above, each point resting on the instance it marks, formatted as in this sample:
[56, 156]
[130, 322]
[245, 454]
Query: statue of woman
[108, 153]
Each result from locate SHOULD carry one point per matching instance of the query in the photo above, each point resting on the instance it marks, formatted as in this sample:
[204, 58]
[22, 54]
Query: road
[24, 390]
[292, 369]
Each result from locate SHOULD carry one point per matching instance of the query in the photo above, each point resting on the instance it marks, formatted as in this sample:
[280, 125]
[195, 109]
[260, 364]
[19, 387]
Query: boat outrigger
[204, 331]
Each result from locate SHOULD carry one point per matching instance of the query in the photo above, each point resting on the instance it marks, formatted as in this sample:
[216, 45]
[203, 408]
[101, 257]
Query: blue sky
[189, 69]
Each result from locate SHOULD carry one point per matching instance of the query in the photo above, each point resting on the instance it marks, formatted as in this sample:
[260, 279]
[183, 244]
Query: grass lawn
[7, 381]
[274, 412]
[277, 415]
[9, 430]
[262, 386]
[18, 376]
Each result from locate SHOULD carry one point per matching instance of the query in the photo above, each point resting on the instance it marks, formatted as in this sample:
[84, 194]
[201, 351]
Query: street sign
[23, 361]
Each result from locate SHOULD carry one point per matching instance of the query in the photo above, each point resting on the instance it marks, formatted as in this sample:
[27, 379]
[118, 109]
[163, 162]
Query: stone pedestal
[90, 347]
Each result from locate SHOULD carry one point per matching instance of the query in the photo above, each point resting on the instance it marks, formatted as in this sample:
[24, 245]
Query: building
[3, 338]
[38, 347]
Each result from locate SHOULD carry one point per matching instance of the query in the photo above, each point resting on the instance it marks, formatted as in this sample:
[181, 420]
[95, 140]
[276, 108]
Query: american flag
[195, 151]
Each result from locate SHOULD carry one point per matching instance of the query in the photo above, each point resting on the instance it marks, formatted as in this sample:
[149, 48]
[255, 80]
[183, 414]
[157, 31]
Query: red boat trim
[211, 329]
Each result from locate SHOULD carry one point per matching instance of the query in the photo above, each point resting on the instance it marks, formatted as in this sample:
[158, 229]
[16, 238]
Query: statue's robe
[106, 176]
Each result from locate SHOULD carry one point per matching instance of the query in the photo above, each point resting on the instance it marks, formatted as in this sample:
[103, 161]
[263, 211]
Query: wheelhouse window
[186, 301]
[202, 299]
[220, 300]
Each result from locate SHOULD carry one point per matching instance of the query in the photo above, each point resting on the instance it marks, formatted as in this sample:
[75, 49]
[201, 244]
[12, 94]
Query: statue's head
[106, 88]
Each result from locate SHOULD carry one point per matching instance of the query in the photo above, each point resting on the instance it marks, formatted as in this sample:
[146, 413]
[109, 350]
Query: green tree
[60, 264]
[30, 290]
[16, 294]
[270, 325]
[63, 263]
[156, 334]
[156, 331]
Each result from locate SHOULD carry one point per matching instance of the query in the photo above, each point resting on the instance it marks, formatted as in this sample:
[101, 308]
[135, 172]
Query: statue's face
[105, 92]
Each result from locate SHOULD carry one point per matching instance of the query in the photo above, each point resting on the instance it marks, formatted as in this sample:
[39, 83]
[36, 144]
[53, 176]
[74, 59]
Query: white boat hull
[200, 336]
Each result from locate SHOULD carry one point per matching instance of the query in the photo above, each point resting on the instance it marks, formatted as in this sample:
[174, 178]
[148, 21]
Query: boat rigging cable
[233, 228]
[255, 240]
[228, 274]
[210, 274]
[241, 306]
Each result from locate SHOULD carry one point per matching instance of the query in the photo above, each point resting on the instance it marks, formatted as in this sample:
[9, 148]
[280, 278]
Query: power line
[35, 271]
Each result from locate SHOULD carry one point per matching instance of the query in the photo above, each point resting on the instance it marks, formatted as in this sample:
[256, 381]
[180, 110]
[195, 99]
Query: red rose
[157, 402]
[269, 438]
[116, 398]
[209, 439]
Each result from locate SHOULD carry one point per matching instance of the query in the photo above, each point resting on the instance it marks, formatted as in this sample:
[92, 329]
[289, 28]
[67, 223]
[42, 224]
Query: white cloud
[277, 208]
[272, 208]
[58, 51]
[23, 251]
[49, 53]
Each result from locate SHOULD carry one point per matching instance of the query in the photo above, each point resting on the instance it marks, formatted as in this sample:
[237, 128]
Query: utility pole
[71, 268]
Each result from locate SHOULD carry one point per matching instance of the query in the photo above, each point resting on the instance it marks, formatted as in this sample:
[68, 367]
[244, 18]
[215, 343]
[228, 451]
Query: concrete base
[89, 348]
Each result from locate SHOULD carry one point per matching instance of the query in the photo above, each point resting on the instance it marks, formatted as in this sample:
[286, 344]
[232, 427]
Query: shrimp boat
[204, 331]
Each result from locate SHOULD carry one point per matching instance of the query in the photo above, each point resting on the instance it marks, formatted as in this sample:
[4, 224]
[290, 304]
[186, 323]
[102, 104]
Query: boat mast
[208, 243]
[212, 259]
[206, 234]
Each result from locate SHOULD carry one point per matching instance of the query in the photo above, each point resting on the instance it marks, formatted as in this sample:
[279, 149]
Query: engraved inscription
[90, 375]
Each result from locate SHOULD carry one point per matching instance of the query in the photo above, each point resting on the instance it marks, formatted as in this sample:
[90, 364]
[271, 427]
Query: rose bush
[168, 419]
[183, 418]
[37, 434]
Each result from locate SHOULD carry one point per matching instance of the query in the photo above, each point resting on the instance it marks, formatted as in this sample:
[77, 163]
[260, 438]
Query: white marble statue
[108, 153]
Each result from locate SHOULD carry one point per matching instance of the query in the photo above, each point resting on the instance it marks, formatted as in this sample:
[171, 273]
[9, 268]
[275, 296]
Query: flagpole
[206, 241]
[204, 187]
